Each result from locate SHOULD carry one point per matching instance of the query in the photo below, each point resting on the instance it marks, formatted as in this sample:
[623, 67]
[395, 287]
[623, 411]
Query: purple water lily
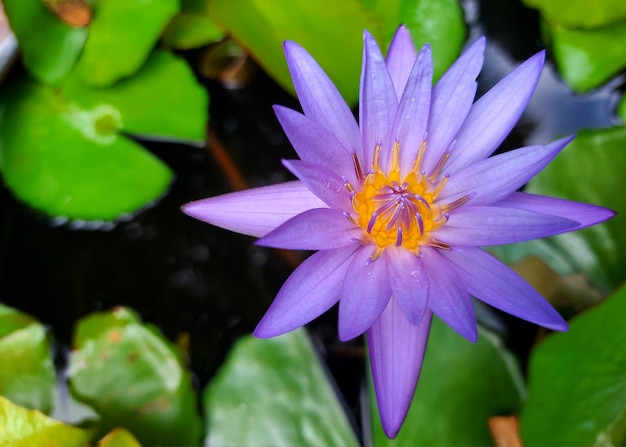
[398, 204]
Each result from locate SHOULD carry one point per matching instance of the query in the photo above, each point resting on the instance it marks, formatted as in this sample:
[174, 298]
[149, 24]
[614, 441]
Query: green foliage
[580, 13]
[20, 427]
[461, 386]
[134, 378]
[332, 31]
[577, 385]
[27, 373]
[274, 392]
[121, 37]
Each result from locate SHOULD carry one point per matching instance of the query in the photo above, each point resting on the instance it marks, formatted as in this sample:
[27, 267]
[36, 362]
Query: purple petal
[409, 282]
[257, 211]
[323, 182]
[497, 285]
[365, 294]
[448, 297]
[378, 103]
[312, 289]
[495, 225]
[317, 229]
[396, 349]
[582, 213]
[320, 99]
[411, 119]
[400, 59]
[497, 177]
[451, 101]
[493, 116]
[315, 144]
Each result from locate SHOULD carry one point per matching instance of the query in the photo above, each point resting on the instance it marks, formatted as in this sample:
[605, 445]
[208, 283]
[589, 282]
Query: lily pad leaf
[588, 58]
[437, 22]
[51, 52]
[461, 386]
[133, 378]
[119, 437]
[27, 374]
[274, 392]
[22, 427]
[70, 161]
[332, 31]
[580, 13]
[121, 36]
[163, 100]
[577, 385]
[191, 30]
[585, 172]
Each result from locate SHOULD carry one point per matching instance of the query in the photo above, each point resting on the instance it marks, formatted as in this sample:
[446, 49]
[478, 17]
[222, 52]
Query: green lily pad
[621, 109]
[586, 171]
[588, 58]
[20, 427]
[274, 392]
[121, 36]
[162, 100]
[27, 374]
[580, 13]
[51, 51]
[461, 386]
[332, 31]
[70, 161]
[577, 384]
[438, 22]
[187, 30]
[133, 378]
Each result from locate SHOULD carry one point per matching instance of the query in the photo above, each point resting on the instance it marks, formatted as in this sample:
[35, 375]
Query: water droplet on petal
[414, 274]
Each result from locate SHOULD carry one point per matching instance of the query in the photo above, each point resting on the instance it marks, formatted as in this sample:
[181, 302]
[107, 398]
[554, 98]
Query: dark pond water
[190, 278]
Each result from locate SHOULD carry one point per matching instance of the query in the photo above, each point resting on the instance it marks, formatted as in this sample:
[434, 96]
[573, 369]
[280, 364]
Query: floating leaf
[577, 381]
[330, 30]
[162, 100]
[20, 427]
[461, 386]
[133, 378]
[437, 22]
[121, 36]
[589, 58]
[70, 161]
[586, 171]
[119, 437]
[580, 13]
[27, 373]
[274, 392]
[51, 51]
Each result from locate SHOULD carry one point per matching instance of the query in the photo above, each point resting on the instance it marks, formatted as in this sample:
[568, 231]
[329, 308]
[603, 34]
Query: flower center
[401, 212]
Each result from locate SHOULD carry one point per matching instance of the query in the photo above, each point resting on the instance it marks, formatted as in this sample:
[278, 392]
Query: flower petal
[257, 211]
[409, 282]
[365, 294]
[452, 99]
[396, 349]
[400, 59]
[411, 119]
[448, 297]
[378, 103]
[495, 178]
[323, 182]
[583, 213]
[315, 144]
[495, 225]
[317, 229]
[312, 289]
[493, 116]
[320, 99]
[497, 285]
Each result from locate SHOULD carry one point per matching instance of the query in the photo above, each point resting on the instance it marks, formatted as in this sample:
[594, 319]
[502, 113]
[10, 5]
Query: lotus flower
[398, 204]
